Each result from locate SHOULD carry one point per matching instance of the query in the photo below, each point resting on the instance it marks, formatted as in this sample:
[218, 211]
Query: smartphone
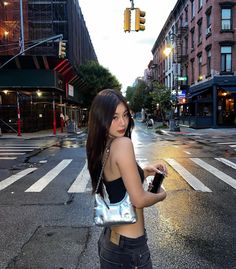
[157, 181]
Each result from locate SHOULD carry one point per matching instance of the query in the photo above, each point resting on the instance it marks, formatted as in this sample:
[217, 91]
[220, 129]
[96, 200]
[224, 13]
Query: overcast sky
[126, 55]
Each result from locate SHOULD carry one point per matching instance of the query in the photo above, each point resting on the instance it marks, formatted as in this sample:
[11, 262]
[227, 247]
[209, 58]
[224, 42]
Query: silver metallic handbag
[108, 214]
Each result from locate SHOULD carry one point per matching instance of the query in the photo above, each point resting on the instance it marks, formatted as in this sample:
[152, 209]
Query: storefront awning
[197, 93]
[229, 88]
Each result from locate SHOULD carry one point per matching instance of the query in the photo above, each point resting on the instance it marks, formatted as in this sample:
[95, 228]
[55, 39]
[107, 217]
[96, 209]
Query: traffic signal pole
[29, 48]
[18, 115]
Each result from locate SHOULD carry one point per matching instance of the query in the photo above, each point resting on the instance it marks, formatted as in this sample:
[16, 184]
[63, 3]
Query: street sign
[182, 78]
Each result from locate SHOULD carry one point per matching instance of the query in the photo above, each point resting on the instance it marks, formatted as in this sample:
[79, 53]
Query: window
[199, 66]
[192, 71]
[208, 21]
[226, 18]
[186, 14]
[226, 59]
[208, 52]
[192, 38]
[200, 4]
[186, 45]
[192, 9]
[200, 31]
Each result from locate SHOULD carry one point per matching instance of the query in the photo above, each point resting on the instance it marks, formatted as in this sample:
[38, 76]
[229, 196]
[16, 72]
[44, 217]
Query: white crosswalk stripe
[12, 151]
[232, 144]
[193, 181]
[216, 172]
[227, 162]
[10, 180]
[45, 180]
[80, 183]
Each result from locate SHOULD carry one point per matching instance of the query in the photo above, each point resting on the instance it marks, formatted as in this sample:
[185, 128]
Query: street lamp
[167, 51]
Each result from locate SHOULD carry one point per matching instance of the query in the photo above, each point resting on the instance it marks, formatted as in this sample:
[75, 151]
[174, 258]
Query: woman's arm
[122, 152]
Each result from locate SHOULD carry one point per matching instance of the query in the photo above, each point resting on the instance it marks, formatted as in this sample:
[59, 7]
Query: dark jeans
[128, 253]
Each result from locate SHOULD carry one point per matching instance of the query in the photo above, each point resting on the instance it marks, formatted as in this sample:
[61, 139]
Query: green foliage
[144, 96]
[96, 78]
[162, 96]
[136, 96]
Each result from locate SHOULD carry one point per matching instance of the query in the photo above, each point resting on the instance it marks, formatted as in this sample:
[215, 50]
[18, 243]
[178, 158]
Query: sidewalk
[184, 130]
[187, 131]
[42, 134]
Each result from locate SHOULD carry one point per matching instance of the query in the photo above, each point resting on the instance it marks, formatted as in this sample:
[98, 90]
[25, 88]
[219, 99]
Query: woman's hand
[151, 169]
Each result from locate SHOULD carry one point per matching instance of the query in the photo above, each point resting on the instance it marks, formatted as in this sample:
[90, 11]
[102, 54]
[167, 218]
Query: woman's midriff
[132, 230]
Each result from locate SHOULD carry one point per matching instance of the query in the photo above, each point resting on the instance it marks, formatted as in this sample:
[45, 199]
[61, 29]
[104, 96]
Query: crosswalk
[82, 180]
[231, 144]
[13, 151]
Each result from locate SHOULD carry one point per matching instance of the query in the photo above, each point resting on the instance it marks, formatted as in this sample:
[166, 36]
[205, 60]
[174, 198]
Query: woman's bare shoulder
[122, 142]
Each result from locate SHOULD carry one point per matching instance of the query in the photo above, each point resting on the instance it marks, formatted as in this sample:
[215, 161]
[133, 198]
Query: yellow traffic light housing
[139, 20]
[62, 49]
[127, 20]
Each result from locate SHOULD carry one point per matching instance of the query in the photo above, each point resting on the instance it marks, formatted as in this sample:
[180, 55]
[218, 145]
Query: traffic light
[139, 20]
[62, 49]
[127, 20]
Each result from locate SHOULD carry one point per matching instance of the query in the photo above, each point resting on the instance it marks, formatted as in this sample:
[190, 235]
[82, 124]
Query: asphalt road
[46, 213]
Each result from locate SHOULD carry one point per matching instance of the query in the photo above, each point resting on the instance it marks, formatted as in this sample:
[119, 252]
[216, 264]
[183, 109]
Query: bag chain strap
[103, 165]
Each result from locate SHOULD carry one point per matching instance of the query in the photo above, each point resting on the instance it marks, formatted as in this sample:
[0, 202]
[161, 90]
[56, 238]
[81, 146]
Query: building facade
[201, 65]
[38, 86]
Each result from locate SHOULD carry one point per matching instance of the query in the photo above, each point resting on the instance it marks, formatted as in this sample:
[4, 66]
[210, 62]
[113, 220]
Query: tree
[96, 78]
[161, 96]
[136, 96]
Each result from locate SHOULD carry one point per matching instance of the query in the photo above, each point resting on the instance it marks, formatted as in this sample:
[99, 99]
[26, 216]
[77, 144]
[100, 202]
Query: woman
[110, 123]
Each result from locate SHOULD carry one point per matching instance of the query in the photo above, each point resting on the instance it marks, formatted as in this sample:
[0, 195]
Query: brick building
[40, 85]
[201, 65]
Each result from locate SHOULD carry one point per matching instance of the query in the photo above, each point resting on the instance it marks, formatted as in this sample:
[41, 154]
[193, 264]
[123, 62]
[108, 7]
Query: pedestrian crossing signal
[139, 20]
[62, 49]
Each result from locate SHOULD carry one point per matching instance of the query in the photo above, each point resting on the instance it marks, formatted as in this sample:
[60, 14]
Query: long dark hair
[100, 117]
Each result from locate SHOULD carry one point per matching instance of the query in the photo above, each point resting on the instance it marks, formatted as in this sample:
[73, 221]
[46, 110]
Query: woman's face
[120, 121]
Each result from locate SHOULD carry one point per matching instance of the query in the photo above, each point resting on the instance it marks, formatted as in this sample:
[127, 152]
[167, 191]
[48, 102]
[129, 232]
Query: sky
[125, 55]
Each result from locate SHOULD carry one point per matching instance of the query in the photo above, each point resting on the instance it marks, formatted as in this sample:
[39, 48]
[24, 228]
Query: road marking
[232, 146]
[187, 152]
[227, 179]
[8, 158]
[6, 147]
[10, 180]
[12, 153]
[227, 143]
[194, 182]
[227, 162]
[45, 180]
[80, 183]
[6, 150]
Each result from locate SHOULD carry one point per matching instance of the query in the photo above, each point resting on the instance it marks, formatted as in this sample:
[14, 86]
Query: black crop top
[116, 188]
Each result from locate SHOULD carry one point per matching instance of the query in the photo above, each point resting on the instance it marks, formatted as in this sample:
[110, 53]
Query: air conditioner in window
[208, 30]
